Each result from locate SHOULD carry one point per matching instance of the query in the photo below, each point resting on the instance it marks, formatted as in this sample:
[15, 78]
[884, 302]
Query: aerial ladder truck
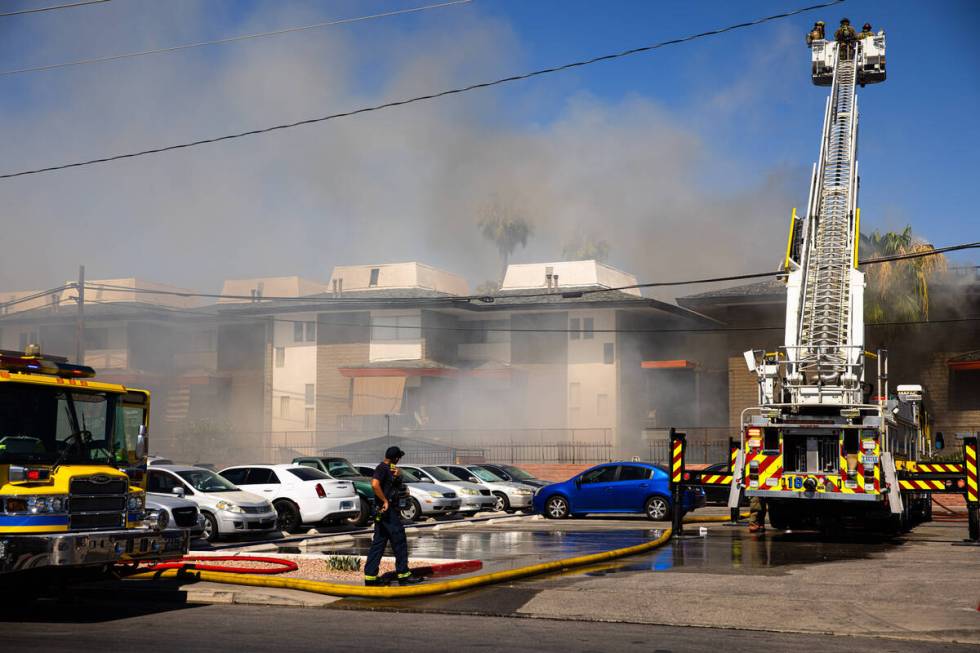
[824, 447]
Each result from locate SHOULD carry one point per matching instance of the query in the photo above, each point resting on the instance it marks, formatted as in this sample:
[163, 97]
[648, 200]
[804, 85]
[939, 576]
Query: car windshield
[517, 473]
[485, 475]
[307, 474]
[49, 424]
[410, 476]
[439, 474]
[340, 468]
[204, 480]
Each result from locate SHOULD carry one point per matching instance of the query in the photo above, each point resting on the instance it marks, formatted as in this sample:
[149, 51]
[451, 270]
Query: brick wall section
[333, 391]
[743, 390]
[553, 472]
[935, 379]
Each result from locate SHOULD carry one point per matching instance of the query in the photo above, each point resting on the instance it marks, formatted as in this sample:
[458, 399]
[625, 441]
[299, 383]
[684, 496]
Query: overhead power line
[225, 317]
[231, 39]
[422, 98]
[567, 294]
[38, 10]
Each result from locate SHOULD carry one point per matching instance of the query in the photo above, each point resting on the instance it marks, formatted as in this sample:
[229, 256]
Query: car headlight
[135, 502]
[468, 492]
[437, 495]
[523, 492]
[228, 506]
[157, 519]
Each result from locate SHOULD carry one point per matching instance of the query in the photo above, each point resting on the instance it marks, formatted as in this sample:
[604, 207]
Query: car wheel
[210, 533]
[500, 502]
[556, 508]
[363, 516]
[288, 516]
[412, 510]
[657, 509]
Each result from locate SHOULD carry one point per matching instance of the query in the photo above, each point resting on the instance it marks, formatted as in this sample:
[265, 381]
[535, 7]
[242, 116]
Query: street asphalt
[214, 628]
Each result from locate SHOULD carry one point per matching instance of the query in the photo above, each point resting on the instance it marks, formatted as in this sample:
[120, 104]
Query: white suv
[300, 495]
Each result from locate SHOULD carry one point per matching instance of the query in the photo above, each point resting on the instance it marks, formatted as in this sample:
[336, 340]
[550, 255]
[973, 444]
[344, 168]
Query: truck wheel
[777, 518]
[412, 511]
[288, 516]
[210, 533]
[363, 516]
[657, 509]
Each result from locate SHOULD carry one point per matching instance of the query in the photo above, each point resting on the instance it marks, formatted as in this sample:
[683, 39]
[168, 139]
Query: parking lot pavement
[243, 629]
[918, 587]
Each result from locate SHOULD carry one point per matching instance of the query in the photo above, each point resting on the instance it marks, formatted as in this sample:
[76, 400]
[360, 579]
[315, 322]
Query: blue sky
[716, 135]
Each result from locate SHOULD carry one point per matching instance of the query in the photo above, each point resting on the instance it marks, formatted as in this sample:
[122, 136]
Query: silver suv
[510, 496]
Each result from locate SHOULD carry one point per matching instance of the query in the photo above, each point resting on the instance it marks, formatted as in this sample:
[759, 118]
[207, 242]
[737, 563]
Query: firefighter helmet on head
[867, 27]
[845, 21]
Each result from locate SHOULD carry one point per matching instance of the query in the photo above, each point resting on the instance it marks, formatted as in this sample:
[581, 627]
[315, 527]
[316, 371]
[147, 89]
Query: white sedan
[301, 495]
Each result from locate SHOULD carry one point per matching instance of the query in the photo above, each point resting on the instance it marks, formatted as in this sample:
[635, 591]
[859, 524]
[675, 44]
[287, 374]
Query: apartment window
[308, 418]
[373, 281]
[284, 406]
[574, 394]
[310, 394]
[97, 338]
[396, 327]
[588, 328]
[602, 405]
[608, 353]
[311, 332]
[574, 328]
[964, 389]
[280, 357]
[298, 331]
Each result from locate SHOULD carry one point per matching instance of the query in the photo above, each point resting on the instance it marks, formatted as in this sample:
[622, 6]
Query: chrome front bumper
[34, 551]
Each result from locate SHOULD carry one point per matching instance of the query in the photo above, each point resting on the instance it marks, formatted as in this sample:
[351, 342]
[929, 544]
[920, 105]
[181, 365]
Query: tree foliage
[898, 291]
[585, 248]
[504, 226]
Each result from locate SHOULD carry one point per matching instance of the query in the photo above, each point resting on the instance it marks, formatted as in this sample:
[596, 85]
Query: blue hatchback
[615, 488]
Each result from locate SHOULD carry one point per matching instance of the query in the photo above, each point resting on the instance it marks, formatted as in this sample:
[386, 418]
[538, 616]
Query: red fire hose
[188, 563]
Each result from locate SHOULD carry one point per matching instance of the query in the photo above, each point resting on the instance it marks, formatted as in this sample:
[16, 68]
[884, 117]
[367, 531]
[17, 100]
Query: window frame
[615, 474]
[574, 328]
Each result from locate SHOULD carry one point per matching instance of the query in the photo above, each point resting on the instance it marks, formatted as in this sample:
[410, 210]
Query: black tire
[501, 503]
[778, 518]
[288, 518]
[412, 511]
[657, 508]
[210, 533]
[364, 514]
[556, 507]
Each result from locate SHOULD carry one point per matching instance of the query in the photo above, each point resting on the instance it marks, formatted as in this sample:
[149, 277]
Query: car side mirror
[141, 442]
[578, 482]
[178, 491]
[474, 479]
[940, 441]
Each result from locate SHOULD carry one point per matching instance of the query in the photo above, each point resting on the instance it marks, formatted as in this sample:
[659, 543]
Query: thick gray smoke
[403, 184]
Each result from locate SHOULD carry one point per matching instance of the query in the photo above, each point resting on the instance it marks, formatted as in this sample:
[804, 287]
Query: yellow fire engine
[64, 501]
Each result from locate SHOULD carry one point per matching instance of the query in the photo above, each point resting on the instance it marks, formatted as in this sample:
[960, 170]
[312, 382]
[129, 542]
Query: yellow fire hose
[341, 589]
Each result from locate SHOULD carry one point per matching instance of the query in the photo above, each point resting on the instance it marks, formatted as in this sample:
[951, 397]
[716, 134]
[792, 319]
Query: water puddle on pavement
[735, 551]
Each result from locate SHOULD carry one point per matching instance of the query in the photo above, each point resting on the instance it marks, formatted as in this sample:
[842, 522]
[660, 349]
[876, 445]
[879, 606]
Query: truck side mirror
[141, 442]
[940, 441]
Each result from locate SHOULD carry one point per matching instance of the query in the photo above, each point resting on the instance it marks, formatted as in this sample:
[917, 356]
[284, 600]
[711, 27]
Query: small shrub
[344, 563]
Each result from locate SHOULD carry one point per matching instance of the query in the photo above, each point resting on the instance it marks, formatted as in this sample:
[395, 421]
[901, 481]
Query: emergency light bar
[53, 366]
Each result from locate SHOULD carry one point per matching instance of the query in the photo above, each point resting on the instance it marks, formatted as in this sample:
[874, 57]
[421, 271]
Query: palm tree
[505, 227]
[585, 248]
[898, 291]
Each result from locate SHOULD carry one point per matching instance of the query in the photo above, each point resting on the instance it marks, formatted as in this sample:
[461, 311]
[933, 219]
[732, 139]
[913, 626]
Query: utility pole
[80, 318]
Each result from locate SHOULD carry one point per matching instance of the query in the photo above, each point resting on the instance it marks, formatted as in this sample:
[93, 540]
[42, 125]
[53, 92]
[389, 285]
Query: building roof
[761, 292]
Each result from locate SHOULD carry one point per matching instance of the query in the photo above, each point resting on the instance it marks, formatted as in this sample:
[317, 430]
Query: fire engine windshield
[39, 424]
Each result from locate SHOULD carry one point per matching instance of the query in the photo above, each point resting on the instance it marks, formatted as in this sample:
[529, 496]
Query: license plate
[173, 542]
[870, 460]
[346, 505]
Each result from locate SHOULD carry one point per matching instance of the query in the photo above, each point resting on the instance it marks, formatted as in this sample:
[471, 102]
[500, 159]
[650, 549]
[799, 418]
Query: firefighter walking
[388, 485]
